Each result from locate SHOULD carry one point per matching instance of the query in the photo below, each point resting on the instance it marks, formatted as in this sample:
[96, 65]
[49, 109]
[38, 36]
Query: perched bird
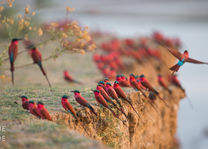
[162, 83]
[43, 112]
[82, 101]
[67, 106]
[146, 84]
[121, 94]
[37, 59]
[114, 95]
[176, 82]
[106, 80]
[33, 109]
[105, 95]
[13, 51]
[137, 86]
[182, 59]
[69, 78]
[100, 99]
[123, 81]
[25, 102]
[102, 83]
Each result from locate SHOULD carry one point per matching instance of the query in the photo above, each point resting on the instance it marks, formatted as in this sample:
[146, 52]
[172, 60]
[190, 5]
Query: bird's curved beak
[71, 91]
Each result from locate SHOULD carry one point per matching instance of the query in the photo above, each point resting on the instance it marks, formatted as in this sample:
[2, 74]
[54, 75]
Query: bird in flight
[182, 57]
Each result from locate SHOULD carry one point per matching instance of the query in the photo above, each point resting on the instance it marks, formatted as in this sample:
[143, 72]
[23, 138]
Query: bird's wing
[190, 60]
[69, 107]
[46, 114]
[13, 49]
[148, 85]
[113, 93]
[175, 53]
[82, 100]
[121, 93]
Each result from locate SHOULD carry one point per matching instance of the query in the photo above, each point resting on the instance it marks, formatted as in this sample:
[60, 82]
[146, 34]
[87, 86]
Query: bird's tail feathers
[41, 68]
[175, 68]
[92, 109]
[72, 114]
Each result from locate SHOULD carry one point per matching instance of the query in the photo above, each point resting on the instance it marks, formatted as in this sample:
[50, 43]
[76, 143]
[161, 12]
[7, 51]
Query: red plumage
[25, 103]
[82, 101]
[33, 110]
[162, 83]
[43, 112]
[136, 85]
[67, 106]
[37, 59]
[121, 94]
[13, 51]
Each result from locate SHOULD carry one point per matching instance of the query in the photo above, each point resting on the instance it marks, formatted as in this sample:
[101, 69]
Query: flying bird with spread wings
[182, 57]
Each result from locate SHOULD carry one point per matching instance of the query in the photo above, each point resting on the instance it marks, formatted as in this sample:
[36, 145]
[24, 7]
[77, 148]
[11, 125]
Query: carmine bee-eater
[13, 51]
[100, 99]
[176, 82]
[82, 101]
[69, 78]
[182, 59]
[106, 80]
[105, 95]
[103, 85]
[121, 94]
[123, 82]
[114, 95]
[67, 106]
[135, 84]
[162, 83]
[37, 59]
[146, 84]
[43, 112]
[25, 102]
[33, 109]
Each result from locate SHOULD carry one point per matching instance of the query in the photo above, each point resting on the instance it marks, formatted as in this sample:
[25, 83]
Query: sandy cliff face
[153, 129]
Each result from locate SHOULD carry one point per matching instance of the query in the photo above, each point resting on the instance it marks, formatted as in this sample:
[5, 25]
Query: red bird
[82, 101]
[135, 84]
[33, 109]
[69, 78]
[114, 95]
[146, 84]
[25, 102]
[182, 59]
[105, 95]
[162, 83]
[43, 112]
[67, 106]
[100, 99]
[106, 80]
[37, 59]
[176, 82]
[13, 51]
[122, 95]
[103, 85]
[123, 81]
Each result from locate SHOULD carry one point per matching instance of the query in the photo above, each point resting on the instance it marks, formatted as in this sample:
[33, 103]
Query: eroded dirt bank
[154, 128]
